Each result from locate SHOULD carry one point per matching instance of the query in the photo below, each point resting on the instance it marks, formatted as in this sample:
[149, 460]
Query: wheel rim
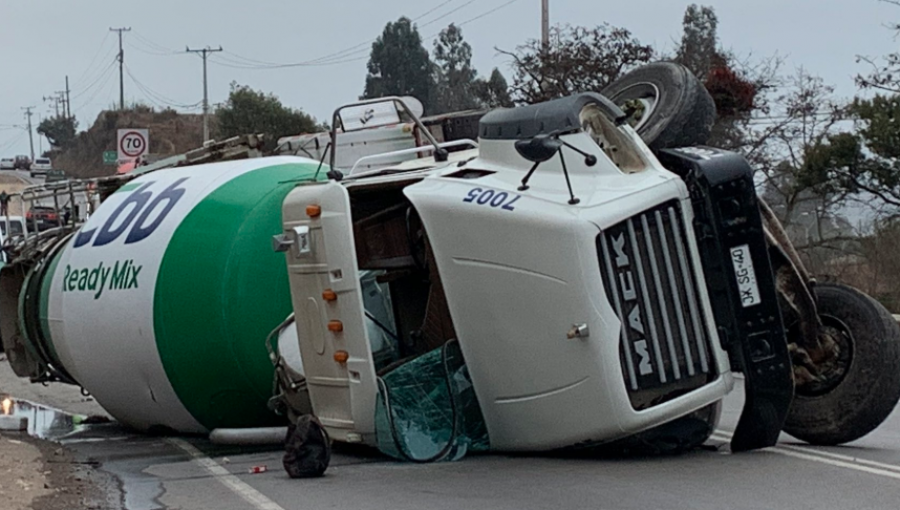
[644, 97]
[834, 370]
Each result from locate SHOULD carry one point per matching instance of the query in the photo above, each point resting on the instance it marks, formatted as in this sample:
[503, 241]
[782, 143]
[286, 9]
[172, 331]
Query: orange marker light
[341, 356]
[335, 326]
[329, 295]
[313, 211]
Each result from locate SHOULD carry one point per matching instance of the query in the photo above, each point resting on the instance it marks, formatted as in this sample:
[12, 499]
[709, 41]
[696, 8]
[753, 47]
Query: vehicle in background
[41, 166]
[22, 163]
[10, 228]
[55, 176]
[12, 225]
[7, 164]
[41, 218]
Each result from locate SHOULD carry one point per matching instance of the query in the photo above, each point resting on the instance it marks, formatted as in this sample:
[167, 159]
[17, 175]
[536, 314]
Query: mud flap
[741, 286]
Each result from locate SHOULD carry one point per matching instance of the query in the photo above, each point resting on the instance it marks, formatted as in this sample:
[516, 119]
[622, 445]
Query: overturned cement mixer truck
[585, 273]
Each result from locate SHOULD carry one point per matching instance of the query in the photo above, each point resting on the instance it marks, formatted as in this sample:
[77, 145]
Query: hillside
[170, 133]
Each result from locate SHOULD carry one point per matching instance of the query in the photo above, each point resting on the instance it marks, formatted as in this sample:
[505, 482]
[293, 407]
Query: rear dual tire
[869, 389]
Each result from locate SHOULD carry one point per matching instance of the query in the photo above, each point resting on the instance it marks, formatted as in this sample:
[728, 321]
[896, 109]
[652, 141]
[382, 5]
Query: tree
[493, 92]
[250, 111]
[455, 76]
[60, 131]
[699, 43]
[736, 86]
[399, 65]
[865, 162]
[789, 145]
[578, 59]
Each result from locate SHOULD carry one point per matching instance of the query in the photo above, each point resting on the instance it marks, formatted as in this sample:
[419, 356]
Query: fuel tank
[159, 306]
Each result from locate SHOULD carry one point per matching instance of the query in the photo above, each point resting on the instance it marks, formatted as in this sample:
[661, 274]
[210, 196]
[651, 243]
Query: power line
[225, 63]
[445, 15]
[102, 88]
[344, 56]
[105, 74]
[365, 45]
[13, 141]
[133, 46]
[433, 9]
[154, 45]
[94, 59]
[156, 97]
[488, 13]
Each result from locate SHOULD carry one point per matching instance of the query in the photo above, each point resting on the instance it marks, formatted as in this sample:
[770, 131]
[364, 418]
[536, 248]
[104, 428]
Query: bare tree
[577, 59]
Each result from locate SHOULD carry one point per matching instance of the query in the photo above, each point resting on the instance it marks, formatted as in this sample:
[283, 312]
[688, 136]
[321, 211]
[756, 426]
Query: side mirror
[539, 148]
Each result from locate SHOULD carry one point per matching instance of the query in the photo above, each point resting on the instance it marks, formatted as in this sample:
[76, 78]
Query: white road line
[246, 492]
[838, 456]
[832, 459]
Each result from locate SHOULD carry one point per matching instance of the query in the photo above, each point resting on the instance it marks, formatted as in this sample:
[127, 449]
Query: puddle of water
[43, 422]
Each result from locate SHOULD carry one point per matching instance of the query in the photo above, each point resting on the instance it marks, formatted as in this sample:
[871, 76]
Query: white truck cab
[562, 258]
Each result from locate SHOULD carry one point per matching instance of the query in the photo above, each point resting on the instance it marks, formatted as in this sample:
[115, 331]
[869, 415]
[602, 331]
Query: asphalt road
[191, 474]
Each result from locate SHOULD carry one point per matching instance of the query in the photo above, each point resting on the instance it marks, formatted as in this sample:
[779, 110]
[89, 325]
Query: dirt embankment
[39, 475]
[42, 475]
[22, 477]
[170, 133]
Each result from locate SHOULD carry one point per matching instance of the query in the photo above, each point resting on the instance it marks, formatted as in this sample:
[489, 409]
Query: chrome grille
[652, 287]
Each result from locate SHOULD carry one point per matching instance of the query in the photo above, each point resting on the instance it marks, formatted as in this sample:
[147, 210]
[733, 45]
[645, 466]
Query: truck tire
[674, 108]
[869, 388]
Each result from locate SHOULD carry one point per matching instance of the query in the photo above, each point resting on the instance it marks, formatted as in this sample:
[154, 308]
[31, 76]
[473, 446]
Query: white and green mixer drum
[160, 305]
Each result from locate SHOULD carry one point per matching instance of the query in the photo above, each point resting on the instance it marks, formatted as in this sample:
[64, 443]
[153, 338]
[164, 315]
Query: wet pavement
[43, 422]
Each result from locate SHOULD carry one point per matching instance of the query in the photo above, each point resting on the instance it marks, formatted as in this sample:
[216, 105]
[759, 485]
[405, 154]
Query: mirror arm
[322, 160]
[524, 185]
[589, 159]
[572, 199]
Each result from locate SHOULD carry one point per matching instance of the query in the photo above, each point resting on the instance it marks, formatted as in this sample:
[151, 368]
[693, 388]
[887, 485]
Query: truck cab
[562, 257]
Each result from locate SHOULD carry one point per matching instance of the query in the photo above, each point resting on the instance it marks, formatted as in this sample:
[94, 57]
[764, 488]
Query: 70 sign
[132, 143]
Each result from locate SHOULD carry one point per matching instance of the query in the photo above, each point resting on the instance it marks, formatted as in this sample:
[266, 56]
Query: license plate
[745, 275]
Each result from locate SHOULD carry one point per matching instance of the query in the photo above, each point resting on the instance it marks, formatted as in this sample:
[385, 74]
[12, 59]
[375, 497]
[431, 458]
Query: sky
[42, 41]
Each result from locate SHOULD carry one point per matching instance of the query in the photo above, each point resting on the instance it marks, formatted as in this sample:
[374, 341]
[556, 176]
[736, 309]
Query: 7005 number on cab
[492, 198]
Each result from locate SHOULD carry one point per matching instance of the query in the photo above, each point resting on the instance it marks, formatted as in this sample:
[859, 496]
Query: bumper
[741, 286]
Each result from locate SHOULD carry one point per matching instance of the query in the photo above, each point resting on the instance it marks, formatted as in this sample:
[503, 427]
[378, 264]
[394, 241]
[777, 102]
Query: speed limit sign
[132, 143]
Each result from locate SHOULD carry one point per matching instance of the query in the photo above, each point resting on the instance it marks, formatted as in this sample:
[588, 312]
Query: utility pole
[545, 23]
[30, 137]
[204, 52]
[121, 64]
[68, 101]
[55, 103]
[61, 99]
